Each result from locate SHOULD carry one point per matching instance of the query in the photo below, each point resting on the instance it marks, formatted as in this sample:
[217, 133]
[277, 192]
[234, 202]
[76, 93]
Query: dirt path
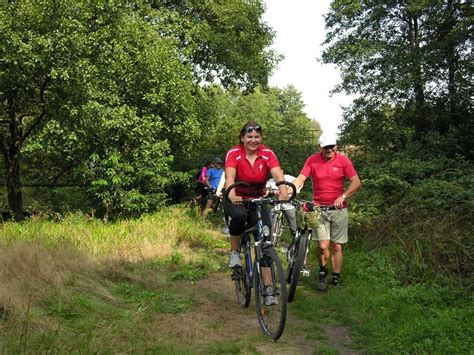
[219, 320]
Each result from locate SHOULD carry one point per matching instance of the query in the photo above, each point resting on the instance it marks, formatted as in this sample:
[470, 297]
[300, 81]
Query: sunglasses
[249, 129]
[329, 147]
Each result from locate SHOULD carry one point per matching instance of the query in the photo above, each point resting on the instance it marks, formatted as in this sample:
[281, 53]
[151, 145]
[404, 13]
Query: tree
[410, 54]
[97, 94]
[90, 81]
[226, 41]
[38, 50]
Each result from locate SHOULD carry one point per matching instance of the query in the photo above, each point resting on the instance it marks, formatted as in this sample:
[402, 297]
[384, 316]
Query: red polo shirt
[256, 176]
[328, 177]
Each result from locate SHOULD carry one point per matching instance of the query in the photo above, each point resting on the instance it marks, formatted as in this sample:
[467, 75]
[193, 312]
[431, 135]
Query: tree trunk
[13, 185]
[11, 149]
[450, 54]
[418, 80]
[421, 123]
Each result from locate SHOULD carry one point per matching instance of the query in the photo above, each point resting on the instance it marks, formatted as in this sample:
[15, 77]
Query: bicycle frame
[260, 241]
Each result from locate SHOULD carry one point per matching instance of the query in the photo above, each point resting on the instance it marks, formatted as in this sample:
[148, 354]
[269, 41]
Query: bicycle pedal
[236, 273]
[306, 272]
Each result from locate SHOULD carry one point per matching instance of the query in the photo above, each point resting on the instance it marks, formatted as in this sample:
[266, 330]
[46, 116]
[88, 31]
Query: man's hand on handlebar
[282, 193]
[283, 196]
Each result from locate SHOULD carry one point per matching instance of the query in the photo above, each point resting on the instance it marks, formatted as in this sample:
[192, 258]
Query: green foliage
[227, 41]
[286, 128]
[385, 47]
[103, 95]
[115, 183]
[422, 204]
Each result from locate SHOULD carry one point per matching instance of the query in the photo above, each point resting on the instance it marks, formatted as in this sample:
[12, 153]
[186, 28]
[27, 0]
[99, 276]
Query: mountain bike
[217, 207]
[257, 272]
[297, 252]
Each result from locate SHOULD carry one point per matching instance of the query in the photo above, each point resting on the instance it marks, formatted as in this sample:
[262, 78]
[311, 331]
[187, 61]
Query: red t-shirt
[256, 176]
[328, 177]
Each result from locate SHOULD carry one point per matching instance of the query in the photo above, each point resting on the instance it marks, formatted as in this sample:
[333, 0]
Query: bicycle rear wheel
[241, 277]
[216, 202]
[295, 265]
[272, 318]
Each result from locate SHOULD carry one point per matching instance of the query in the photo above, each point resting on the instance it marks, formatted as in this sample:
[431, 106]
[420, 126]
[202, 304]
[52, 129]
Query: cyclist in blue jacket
[213, 177]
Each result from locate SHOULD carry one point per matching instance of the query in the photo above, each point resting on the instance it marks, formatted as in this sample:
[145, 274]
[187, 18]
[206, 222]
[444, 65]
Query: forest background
[110, 108]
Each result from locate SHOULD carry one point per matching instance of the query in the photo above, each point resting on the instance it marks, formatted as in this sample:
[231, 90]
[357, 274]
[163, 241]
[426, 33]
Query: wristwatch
[343, 197]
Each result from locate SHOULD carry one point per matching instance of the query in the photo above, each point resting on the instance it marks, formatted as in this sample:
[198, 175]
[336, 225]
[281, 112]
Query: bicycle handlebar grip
[238, 183]
[293, 187]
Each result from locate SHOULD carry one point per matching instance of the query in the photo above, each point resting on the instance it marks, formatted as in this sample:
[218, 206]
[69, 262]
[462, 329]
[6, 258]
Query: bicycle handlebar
[260, 200]
[310, 206]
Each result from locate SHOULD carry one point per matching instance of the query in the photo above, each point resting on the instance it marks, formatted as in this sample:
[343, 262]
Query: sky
[299, 27]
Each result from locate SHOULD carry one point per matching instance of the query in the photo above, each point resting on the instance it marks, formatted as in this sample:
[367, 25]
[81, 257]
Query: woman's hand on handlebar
[234, 198]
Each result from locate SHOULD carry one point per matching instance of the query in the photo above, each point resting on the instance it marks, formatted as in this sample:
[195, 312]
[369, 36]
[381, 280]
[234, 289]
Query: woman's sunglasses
[250, 129]
[329, 147]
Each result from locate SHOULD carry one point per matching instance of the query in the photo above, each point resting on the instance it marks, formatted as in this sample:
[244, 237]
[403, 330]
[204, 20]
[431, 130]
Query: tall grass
[149, 236]
[427, 246]
[81, 284]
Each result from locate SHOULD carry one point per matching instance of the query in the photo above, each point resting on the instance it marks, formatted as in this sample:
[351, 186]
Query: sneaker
[270, 299]
[234, 259]
[322, 283]
[225, 230]
[336, 281]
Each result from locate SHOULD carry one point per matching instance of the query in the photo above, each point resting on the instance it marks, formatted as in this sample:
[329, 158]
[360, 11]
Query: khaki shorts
[333, 225]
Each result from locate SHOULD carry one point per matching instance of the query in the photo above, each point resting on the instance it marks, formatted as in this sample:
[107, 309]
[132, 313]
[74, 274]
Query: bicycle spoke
[241, 278]
[271, 312]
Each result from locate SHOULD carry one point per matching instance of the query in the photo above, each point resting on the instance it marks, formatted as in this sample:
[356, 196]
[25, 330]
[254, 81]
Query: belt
[328, 207]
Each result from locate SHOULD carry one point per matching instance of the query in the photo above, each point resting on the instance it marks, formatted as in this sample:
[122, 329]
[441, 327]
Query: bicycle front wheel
[295, 265]
[270, 293]
[277, 228]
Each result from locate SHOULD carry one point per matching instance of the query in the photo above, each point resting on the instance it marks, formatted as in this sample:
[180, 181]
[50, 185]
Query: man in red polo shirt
[328, 171]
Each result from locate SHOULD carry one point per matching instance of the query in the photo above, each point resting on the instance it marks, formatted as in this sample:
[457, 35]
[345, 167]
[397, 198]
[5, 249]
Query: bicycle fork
[304, 271]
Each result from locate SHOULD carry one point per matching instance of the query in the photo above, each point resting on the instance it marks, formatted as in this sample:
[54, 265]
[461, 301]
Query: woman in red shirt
[250, 161]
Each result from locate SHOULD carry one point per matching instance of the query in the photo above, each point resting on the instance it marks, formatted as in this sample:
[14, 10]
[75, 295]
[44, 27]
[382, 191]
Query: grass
[387, 317]
[80, 285]
[83, 284]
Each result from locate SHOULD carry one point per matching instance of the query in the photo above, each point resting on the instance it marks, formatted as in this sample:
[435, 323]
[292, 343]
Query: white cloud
[299, 27]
